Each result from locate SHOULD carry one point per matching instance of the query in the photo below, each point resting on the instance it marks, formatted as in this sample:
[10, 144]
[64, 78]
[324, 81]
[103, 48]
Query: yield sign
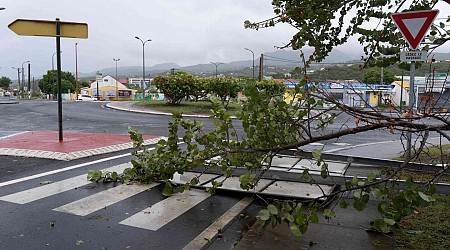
[414, 25]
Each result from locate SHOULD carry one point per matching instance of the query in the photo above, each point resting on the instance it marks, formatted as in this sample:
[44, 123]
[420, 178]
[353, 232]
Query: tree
[373, 76]
[175, 87]
[5, 82]
[323, 25]
[49, 85]
[272, 126]
[200, 89]
[225, 88]
[85, 84]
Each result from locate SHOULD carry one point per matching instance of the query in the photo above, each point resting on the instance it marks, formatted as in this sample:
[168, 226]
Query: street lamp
[76, 71]
[143, 64]
[23, 76]
[253, 61]
[53, 58]
[216, 64]
[117, 89]
[18, 77]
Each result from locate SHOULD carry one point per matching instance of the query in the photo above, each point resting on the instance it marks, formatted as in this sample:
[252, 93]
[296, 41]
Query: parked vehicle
[86, 98]
[7, 94]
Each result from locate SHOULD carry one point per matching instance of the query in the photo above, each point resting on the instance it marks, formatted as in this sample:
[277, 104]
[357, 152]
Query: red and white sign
[414, 25]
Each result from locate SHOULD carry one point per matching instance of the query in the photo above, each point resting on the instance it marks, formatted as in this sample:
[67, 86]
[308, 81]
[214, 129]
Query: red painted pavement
[72, 141]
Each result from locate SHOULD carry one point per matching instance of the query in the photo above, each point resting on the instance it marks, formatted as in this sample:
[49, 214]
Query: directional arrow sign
[26, 27]
[414, 25]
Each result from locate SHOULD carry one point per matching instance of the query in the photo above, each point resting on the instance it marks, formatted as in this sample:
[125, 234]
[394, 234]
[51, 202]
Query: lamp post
[23, 77]
[76, 71]
[117, 89]
[143, 64]
[18, 77]
[216, 64]
[253, 61]
[53, 58]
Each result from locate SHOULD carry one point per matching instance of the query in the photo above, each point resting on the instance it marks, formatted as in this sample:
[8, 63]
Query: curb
[110, 105]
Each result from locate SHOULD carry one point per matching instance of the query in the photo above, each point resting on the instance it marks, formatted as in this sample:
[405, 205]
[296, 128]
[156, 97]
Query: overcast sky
[185, 32]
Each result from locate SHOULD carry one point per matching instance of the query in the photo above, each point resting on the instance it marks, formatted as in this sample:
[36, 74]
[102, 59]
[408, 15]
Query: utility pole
[216, 64]
[143, 64]
[261, 68]
[253, 62]
[29, 79]
[117, 88]
[76, 71]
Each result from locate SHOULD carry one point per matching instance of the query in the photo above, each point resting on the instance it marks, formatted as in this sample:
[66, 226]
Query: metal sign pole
[58, 68]
[412, 107]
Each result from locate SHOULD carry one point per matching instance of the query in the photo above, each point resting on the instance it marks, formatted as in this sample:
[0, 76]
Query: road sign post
[56, 29]
[413, 25]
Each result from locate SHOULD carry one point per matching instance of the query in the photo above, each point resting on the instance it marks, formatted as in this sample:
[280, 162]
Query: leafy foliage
[5, 82]
[270, 125]
[175, 87]
[323, 25]
[374, 77]
[225, 88]
[49, 85]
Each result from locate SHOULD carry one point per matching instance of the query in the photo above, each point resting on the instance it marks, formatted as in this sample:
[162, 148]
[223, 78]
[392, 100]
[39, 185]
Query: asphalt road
[36, 207]
[94, 117]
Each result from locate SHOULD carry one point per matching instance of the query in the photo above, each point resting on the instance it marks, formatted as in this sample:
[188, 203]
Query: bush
[175, 87]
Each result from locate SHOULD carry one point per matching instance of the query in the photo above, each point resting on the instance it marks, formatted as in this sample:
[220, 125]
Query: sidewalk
[75, 145]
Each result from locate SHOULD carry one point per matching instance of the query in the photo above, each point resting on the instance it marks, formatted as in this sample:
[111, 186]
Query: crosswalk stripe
[56, 187]
[27, 178]
[163, 212]
[200, 241]
[103, 199]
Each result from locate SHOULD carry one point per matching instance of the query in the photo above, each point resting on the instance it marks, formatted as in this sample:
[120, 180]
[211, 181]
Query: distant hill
[280, 58]
[130, 71]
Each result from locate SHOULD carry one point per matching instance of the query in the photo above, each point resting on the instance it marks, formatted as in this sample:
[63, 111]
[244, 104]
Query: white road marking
[163, 212]
[103, 199]
[56, 187]
[201, 240]
[6, 183]
[297, 190]
[4, 137]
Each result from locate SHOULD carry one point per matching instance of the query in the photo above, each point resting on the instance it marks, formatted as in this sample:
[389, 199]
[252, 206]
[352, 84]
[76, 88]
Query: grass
[200, 107]
[431, 154]
[426, 228]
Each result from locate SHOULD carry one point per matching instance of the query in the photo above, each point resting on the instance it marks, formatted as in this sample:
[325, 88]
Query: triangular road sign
[414, 25]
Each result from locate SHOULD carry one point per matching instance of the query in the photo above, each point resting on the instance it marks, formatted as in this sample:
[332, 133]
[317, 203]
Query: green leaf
[289, 217]
[45, 182]
[264, 214]
[371, 177]
[424, 197]
[287, 207]
[273, 210]
[358, 205]
[314, 217]
[296, 231]
[94, 175]
[316, 154]
[390, 222]
[168, 189]
[354, 180]
[194, 181]
[343, 204]
[329, 214]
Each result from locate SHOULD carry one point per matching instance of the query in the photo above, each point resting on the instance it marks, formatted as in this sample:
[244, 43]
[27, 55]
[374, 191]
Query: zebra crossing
[76, 197]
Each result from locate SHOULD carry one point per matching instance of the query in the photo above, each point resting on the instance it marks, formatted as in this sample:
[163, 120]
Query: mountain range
[279, 58]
